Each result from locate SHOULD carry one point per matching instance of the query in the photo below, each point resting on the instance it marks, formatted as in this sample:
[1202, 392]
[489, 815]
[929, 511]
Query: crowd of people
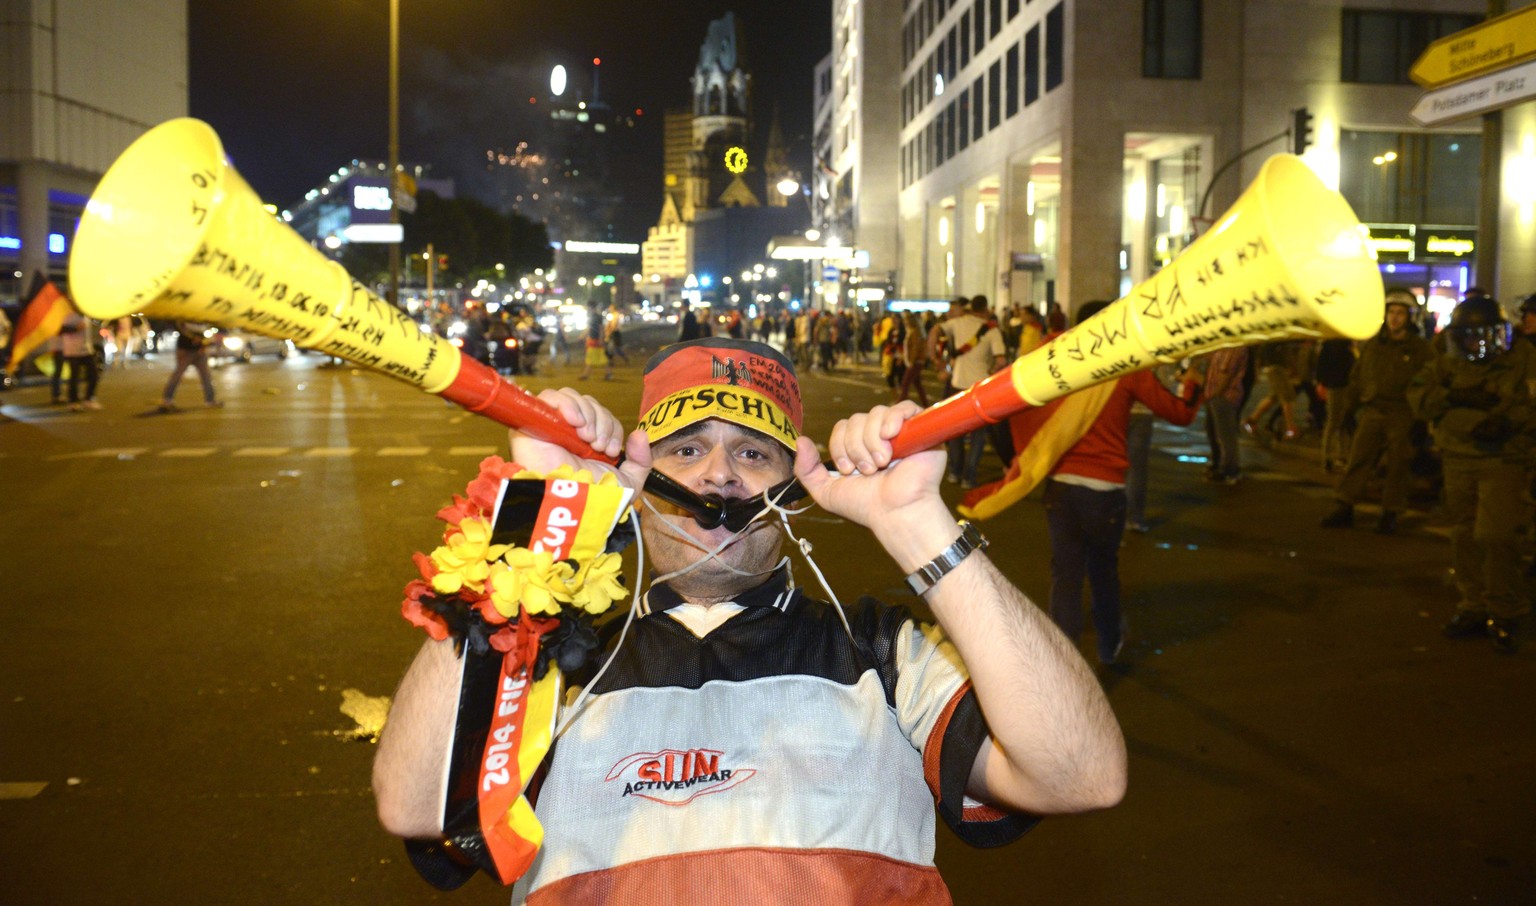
[1448, 412]
[1451, 409]
[1452, 412]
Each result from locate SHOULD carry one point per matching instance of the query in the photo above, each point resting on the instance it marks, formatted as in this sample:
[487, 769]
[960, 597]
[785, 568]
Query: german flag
[40, 320]
[1042, 435]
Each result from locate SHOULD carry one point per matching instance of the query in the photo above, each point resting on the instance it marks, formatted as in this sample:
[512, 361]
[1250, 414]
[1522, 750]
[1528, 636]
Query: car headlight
[233, 344]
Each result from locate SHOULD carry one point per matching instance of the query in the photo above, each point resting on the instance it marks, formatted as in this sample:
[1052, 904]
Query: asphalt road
[188, 602]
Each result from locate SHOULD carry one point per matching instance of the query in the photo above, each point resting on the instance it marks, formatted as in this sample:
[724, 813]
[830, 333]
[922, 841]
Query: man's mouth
[714, 510]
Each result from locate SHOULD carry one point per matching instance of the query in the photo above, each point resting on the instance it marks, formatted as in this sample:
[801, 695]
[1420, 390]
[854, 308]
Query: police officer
[1378, 385]
[1477, 401]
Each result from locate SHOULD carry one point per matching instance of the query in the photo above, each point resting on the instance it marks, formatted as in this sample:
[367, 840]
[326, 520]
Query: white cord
[770, 505]
[804, 546]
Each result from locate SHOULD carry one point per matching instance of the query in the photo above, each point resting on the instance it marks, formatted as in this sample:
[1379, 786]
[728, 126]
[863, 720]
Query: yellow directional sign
[1501, 41]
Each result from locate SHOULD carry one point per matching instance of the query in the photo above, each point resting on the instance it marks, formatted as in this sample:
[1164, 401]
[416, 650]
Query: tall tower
[722, 114]
[775, 164]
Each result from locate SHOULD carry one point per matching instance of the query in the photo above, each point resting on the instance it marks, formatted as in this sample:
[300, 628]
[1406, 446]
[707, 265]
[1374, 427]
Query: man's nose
[718, 470]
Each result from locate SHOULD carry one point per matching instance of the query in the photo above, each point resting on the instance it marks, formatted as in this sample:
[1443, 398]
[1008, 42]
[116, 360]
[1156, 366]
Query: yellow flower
[464, 559]
[535, 582]
[506, 588]
[599, 583]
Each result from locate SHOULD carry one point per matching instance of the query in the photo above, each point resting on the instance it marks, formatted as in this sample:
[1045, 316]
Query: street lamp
[394, 146]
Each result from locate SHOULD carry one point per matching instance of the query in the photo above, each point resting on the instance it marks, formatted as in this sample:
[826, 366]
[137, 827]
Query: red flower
[504, 639]
[419, 614]
[459, 510]
[488, 611]
[483, 490]
[424, 565]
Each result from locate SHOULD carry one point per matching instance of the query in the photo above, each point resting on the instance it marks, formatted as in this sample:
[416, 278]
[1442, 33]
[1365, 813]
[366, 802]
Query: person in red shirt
[1085, 502]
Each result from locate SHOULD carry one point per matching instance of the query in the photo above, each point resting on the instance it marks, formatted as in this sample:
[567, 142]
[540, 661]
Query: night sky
[297, 88]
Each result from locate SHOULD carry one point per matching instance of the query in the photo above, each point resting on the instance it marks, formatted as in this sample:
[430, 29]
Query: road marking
[21, 790]
[316, 452]
[188, 452]
[471, 451]
[404, 451]
[854, 382]
[261, 451]
[102, 453]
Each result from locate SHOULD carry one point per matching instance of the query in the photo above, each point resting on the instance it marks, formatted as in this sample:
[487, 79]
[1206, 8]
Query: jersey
[772, 760]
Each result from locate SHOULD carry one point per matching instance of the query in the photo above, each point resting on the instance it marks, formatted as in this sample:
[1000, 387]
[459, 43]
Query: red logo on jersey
[675, 776]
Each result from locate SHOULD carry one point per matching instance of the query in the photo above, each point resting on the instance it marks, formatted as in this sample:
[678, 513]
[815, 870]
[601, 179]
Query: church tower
[776, 164]
[722, 119]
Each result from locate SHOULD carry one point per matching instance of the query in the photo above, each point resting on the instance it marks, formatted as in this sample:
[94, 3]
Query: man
[1378, 386]
[1476, 398]
[596, 348]
[1085, 496]
[1277, 361]
[77, 347]
[1528, 318]
[1223, 402]
[978, 351]
[191, 352]
[689, 329]
[839, 738]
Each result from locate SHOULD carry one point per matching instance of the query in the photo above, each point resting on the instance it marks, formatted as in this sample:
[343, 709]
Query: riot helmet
[1406, 299]
[1478, 331]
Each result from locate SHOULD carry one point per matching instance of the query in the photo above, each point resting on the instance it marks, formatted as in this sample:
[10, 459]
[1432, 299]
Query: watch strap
[929, 574]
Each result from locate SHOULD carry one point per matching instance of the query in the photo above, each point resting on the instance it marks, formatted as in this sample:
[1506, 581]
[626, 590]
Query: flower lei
[517, 601]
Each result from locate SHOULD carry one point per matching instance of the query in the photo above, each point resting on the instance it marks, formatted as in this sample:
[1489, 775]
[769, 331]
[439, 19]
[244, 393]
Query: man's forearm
[410, 771]
[1062, 746]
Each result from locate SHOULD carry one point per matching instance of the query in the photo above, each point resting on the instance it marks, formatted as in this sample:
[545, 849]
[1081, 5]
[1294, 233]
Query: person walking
[1477, 400]
[1223, 401]
[1277, 362]
[689, 329]
[191, 351]
[597, 351]
[1335, 360]
[1378, 385]
[615, 324]
[979, 351]
[916, 346]
[77, 349]
[1085, 434]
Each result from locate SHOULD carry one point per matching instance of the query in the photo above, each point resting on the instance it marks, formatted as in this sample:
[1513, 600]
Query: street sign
[405, 192]
[1474, 96]
[1501, 41]
[830, 273]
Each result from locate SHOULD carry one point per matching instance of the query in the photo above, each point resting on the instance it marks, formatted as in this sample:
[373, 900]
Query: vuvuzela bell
[173, 231]
[1288, 260]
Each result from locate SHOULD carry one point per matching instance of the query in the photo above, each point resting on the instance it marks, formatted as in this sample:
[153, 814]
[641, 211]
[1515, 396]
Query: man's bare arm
[1056, 744]
[410, 771]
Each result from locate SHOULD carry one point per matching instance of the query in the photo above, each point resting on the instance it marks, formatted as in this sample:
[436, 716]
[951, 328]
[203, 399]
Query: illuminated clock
[736, 159]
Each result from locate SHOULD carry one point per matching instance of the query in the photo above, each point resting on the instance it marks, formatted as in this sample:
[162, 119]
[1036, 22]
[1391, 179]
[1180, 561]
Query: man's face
[715, 457]
[1528, 323]
[1397, 318]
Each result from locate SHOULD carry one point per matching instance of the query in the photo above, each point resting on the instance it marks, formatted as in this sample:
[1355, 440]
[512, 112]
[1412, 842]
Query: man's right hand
[595, 425]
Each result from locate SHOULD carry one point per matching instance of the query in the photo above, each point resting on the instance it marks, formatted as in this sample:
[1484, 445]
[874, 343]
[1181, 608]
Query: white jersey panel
[790, 761]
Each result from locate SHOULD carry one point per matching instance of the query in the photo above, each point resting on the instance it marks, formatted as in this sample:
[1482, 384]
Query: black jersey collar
[778, 592]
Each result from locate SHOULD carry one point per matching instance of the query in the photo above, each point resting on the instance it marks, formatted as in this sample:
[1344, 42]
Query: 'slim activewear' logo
[676, 776]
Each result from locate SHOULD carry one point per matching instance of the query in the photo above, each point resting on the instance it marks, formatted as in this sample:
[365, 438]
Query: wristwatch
[928, 575]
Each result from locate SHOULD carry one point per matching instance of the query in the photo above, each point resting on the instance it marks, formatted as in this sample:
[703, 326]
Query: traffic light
[1301, 130]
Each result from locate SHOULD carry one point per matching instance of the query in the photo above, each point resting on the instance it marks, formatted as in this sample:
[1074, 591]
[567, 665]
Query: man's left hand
[870, 489]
